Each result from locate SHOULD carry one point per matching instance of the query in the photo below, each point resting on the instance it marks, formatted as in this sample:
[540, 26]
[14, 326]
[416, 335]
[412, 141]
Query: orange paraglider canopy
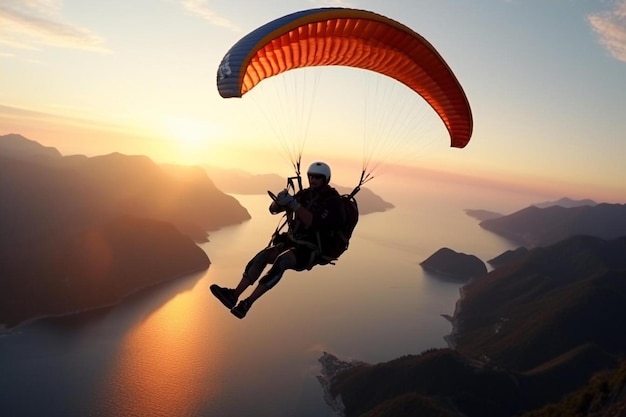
[353, 38]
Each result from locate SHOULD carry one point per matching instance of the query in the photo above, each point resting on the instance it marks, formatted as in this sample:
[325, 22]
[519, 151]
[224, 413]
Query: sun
[190, 133]
[191, 140]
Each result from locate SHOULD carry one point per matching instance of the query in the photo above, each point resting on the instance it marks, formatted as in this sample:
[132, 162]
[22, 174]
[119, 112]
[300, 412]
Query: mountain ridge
[534, 226]
[525, 335]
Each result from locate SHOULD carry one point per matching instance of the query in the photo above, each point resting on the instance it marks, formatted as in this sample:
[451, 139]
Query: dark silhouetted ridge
[535, 226]
[544, 328]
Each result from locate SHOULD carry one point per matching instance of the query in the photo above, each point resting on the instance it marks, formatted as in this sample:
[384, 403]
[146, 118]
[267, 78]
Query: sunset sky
[546, 80]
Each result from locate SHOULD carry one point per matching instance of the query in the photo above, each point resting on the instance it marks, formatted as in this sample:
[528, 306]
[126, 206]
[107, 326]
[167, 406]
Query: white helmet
[320, 168]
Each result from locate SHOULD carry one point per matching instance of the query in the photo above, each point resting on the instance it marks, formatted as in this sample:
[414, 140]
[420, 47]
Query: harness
[318, 256]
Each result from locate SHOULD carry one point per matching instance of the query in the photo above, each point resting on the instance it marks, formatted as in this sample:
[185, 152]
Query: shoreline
[331, 366]
[454, 319]
[4, 330]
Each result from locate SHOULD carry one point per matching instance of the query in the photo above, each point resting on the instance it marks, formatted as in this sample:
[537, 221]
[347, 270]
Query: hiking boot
[241, 309]
[225, 295]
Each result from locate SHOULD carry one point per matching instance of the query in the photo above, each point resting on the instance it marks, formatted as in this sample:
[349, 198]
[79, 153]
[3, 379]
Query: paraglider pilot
[314, 214]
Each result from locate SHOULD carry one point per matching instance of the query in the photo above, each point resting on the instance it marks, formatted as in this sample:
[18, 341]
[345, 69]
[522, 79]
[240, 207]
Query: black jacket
[328, 218]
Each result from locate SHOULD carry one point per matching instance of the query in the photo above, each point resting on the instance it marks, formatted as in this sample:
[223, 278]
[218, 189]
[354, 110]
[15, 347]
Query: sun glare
[189, 132]
[191, 139]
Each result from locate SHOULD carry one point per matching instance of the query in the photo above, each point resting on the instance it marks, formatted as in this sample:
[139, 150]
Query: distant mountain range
[116, 183]
[534, 226]
[81, 232]
[567, 203]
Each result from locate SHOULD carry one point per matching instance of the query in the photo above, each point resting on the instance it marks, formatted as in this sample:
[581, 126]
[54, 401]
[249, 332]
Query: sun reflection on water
[168, 364]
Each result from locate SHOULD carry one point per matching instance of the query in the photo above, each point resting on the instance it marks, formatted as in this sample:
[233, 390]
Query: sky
[546, 80]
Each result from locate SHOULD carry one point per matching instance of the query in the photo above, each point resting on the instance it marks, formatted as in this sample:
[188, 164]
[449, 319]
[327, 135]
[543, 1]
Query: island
[454, 265]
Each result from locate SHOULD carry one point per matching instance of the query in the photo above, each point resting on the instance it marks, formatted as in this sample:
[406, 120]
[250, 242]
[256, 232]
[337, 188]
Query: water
[175, 351]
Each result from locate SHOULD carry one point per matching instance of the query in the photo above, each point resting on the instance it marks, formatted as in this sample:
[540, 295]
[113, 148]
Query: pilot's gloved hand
[287, 200]
[281, 194]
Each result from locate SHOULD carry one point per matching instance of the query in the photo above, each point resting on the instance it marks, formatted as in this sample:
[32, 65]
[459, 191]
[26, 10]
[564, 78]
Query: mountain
[438, 382]
[566, 202]
[19, 147]
[67, 270]
[83, 232]
[368, 201]
[604, 396]
[534, 226]
[134, 185]
[508, 257]
[546, 303]
[526, 334]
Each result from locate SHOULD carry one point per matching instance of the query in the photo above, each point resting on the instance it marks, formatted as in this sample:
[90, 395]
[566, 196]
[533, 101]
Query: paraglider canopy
[353, 38]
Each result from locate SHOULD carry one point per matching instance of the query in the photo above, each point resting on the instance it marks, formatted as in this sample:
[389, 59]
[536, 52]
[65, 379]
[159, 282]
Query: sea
[174, 350]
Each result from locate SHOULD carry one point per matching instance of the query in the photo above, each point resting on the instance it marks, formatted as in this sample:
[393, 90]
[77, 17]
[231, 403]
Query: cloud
[610, 26]
[201, 9]
[30, 24]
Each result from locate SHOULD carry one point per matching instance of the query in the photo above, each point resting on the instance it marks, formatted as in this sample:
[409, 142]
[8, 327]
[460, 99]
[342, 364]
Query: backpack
[342, 237]
[352, 216]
